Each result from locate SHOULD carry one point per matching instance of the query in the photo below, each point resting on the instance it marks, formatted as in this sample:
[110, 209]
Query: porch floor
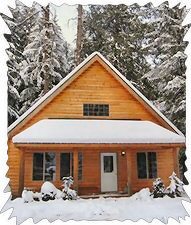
[105, 195]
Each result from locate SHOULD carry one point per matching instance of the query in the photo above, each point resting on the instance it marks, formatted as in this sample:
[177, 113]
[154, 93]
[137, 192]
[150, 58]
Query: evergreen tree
[46, 61]
[166, 33]
[165, 84]
[19, 26]
[158, 188]
[118, 33]
[175, 189]
[39, 57]
[79, 34]
[169, 81]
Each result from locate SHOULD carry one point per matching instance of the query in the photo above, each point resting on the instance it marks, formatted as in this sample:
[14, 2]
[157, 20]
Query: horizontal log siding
[165, 166]
[91, 178]
[14, 163]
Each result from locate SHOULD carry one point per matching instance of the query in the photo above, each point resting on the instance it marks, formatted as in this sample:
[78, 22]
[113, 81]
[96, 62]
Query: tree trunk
[79, 35]
[47, 75]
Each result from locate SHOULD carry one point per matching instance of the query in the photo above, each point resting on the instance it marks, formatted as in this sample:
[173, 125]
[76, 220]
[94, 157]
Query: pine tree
[175, 189]
[169, 81]
[118, 33]
[69, 194]
[46, 57]
[166, 33]
[17, 40]
[26, 82]
[79, 34]
[165, 84]
[158, 188]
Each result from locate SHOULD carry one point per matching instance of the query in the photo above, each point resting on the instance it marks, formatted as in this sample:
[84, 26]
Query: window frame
[96, 109]
[147, 165]
[80, 167]
[43, 166]
[71, 163]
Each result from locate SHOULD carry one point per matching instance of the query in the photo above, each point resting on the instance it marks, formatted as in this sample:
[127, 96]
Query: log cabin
[97, 127]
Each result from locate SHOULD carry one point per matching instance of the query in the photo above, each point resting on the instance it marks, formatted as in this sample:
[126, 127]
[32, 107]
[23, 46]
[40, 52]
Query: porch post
[176, 161]
[128, 158]
[22, 171]
[75, 170]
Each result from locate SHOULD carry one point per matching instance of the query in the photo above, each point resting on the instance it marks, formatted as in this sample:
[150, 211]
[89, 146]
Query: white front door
[108, 172]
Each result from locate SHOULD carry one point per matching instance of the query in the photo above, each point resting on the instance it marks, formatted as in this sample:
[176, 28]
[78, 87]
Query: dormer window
[96, 110]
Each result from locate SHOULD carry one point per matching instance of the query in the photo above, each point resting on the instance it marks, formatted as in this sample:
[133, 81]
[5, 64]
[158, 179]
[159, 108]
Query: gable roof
[96, 56]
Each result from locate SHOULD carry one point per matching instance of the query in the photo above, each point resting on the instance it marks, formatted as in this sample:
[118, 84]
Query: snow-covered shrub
[37, 196]
[59, 194]
[48, 191]
[68, 192]
[27, 196]
[175, 189]
[158, 188]
[143, 195]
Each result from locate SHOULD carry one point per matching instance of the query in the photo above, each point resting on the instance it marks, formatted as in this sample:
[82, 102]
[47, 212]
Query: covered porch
[103, 156]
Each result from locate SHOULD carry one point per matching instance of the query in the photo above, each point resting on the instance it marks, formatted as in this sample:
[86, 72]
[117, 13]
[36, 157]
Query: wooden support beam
[176, 161]
[21, 172]
[128, 158]
[75, 173]
[132, 146]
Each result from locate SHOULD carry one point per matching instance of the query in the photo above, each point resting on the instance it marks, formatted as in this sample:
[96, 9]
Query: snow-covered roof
[72, 73]
[96, 131]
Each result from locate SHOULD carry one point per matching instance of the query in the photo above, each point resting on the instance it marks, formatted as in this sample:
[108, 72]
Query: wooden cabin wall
[91, 170]
[166, 164]
[91, 178]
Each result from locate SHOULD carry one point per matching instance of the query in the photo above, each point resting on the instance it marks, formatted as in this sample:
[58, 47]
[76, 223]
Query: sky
[67, 20]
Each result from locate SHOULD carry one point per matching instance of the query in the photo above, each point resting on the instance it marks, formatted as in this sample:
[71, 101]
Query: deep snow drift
[121, 209]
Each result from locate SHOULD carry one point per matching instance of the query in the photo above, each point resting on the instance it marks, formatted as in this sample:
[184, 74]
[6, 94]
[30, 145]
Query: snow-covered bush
[68, 192]
[175, 189]
[143, 195]
[158, 188]
[27, 196]
[48, 191]
[37, 196]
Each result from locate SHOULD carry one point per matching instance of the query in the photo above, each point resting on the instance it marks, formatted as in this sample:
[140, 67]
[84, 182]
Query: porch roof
[60, 131]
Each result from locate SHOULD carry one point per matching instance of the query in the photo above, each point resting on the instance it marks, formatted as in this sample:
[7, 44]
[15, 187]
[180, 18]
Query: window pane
[80, 165]
[66, 165]
[108, 164]
[152, 164]
[141, 165]
[50, 166]
[38, 166]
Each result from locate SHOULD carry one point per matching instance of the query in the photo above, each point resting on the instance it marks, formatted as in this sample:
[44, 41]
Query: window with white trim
[146, 165]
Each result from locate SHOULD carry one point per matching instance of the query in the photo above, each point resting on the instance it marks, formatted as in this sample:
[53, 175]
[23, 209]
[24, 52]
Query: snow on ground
[138, 206]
